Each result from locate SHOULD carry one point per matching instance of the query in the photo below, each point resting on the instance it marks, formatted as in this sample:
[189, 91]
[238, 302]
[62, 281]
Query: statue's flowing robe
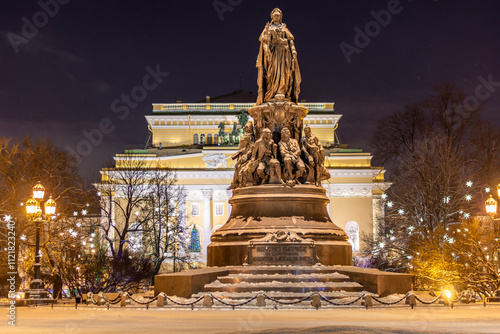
[279, 73]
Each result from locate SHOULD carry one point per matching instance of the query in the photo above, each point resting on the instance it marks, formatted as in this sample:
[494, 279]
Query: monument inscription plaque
[282, 248]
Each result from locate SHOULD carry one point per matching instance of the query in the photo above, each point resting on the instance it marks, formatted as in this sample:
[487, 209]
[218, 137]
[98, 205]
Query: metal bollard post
[412, 301]
[123, 301]
[261, 301]
[208, 301]
[160, 302]
[101, 299]
[368, 301]
[316, 301]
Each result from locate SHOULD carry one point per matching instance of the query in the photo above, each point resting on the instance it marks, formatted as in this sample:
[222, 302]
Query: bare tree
[438, 151]
[22, 165]
[166, 230]
[473, 255]
[142, 214]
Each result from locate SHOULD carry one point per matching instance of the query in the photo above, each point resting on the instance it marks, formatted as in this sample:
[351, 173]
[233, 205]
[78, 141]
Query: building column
[328, 194]
[182, 221]
[207, 220]
[378, 214]
[108, 215]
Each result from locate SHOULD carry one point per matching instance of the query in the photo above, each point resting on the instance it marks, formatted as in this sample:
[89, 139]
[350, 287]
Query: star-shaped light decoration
[75, 213]
[390, 204]
[7, 218]
[84, 212]
[468, 197]
[487, 189]
[469, 183]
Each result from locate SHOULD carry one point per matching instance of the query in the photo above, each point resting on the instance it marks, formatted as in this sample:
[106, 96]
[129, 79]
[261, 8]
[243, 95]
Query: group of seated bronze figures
[288, 162]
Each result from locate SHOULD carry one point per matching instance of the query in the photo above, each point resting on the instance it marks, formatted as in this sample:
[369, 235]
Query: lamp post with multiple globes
[491, 209]
[39, 211]
[491, 204]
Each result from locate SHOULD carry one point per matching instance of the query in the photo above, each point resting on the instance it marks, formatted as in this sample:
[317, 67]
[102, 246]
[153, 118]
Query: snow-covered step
[288, 277]
[294, 270]
[284, 282]
[283, 286]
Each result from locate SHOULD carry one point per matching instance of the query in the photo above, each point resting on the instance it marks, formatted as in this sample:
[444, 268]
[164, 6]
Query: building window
[352, 230]
[135, 237]
[209, 139]
[202, 139]
[219, 209]
[195, 139]
[194, 241]
[173, 208]
[216, 139]
[195, 209]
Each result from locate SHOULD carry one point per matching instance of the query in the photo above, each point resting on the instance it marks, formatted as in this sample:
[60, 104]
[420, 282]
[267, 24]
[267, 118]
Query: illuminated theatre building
[185, 138]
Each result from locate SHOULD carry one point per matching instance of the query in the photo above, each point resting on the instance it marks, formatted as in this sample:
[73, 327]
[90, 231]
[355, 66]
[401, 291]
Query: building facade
[186, 139]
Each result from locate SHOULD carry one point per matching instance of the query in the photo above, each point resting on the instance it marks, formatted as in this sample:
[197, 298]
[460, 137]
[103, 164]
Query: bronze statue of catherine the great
[277, 62]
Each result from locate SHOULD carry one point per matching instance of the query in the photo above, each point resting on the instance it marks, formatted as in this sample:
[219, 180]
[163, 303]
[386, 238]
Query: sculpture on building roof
[277, 63]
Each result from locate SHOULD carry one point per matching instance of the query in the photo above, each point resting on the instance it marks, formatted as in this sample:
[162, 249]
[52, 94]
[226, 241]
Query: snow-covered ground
[401, 319]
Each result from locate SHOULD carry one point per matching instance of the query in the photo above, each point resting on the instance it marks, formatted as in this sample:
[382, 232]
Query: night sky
[63, 79]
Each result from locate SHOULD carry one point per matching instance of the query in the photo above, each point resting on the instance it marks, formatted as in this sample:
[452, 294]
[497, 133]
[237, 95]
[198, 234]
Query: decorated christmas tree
[194, 243]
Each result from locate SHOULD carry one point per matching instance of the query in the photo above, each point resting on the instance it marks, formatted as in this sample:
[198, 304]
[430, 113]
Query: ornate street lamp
[491, 206]
[37, 215]
[38, 192]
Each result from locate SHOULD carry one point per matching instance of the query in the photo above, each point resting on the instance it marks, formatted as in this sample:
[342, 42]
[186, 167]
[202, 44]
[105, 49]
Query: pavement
[401, 319]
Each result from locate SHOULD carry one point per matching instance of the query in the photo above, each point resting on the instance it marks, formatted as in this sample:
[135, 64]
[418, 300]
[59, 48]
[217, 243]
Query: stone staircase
[283, 282]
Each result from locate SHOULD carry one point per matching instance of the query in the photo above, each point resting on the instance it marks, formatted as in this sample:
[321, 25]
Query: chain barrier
[341, 304]
[294, 302]
[390, 303]
[114, 301]
[458, 299]
[289, 303]
[184, 304]
[234, 304]
[91, 296]
[431, 302]
[143, 303]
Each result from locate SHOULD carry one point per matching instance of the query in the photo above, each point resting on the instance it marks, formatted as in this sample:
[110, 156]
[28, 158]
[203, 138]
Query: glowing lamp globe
[491, 206]
[31, 207]
[50, 207]
[38, 192]
[498, 190]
